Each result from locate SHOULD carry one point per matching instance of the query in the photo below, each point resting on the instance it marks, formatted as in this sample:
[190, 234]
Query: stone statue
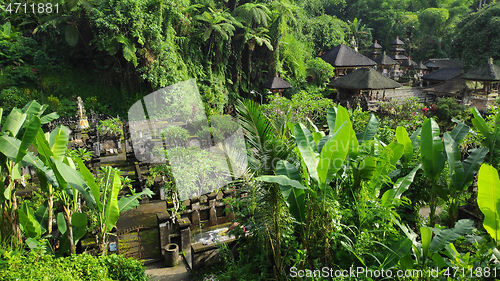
[83, 122]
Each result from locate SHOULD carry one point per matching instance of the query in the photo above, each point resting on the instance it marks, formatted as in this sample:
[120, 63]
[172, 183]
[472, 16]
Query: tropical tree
[18, 132]
[219, 28]
[358, 34]
[268, 143]
[282, 16]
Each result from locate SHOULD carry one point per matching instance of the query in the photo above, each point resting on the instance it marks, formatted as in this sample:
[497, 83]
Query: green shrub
[110, 127]
[303, 105]
[320, 71]
[35, 266]
[448, 108]
[13, 97]
[223, 126]
[175, 135]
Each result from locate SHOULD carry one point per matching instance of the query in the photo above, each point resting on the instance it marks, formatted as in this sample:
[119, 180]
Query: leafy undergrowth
[15, 265]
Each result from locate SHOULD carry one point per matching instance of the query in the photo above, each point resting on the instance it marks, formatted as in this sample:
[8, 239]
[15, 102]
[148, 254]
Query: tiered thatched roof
[343, 56]
[364, 79]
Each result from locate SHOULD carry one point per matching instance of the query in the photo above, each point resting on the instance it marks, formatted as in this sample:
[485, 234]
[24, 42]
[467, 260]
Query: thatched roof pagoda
[384, 60]
[488, 72]
[365, 79]
[276, 84]
[342, 57]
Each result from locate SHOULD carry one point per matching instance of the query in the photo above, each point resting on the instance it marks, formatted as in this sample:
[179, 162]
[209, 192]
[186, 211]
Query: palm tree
[356, 32]
[219, 27]
[253, 15]
[268, 142]
[282, 12]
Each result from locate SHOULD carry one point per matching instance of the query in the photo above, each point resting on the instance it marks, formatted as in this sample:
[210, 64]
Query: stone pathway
[159, 271]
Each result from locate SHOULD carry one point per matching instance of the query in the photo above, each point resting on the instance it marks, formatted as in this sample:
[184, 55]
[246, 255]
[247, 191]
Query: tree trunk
[50, 207]
[15, 220]
[67, 216]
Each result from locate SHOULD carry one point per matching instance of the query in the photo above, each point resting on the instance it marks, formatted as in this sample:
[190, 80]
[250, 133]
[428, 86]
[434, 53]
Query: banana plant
[491, 137]
[16, 135]
[435, 245]
[461, 173]
[107, 206]
[488, 196]
[433, 159]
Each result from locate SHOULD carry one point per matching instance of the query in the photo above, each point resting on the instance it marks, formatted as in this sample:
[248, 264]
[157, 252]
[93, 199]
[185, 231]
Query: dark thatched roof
[276, 83]
[442, 63]
[384, 60]
[397, 41]
[375, 45]
[443, 74]
[453, 86]
[343, 56]
[397, 49]
[409, 63]
[487, 72]
[421, 66]
[364, 79]
[398, 57]
[374, 53]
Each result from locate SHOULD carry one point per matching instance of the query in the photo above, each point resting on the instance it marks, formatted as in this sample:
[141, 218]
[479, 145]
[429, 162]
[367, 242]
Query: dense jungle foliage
[108, 51]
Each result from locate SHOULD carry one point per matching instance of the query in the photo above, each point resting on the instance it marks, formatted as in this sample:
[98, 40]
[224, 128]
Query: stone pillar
[163, 219]
[212, 220]
[184, 225]
[195, 215]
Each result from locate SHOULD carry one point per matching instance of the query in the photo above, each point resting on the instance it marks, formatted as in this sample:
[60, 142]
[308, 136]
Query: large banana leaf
[457, 174]
[14, 122]
[415, 138]
[284, 168]
[341, 117]
[59, 142]
[331, 116]
[42, 215]
[69, 176]
[129, 202]
[281, 180]
[459, 132]
[307, 153]
[365, 169]
[333, 154]
[49, 117]
[294, 197]
[29, 136]
[370, 129]
[31, 227]
[426, 234]
[403, 138]
[401, 185]
[32, 108]
[471, 165]
[322, 142]
[79, 225]
[398, 150]
[488, 197]
[43, 147]
[447, 236]
[431, 150]
[9, 146]
[481, 125]
[89, 178]
[399, 250]
[112, 212]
